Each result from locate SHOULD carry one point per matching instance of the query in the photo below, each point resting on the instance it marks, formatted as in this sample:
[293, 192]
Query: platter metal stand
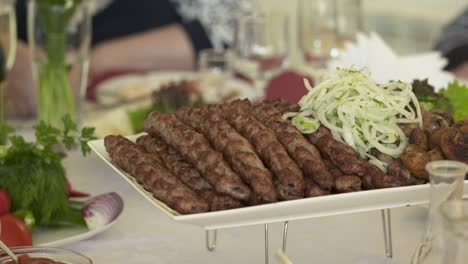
[211, 236]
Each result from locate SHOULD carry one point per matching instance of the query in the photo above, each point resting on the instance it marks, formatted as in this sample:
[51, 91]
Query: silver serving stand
[211, 236]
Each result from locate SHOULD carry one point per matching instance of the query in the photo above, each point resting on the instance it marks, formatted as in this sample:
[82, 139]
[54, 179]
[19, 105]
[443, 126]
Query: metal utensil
[7, 249]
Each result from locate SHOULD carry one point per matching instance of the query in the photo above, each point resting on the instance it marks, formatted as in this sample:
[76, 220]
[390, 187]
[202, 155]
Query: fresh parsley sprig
[33, 174]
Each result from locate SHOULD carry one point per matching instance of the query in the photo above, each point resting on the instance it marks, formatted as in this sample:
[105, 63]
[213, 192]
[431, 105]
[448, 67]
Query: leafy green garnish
[428, 98]
[137, 118]
[162, 104]
[457, 93]
[33, 174]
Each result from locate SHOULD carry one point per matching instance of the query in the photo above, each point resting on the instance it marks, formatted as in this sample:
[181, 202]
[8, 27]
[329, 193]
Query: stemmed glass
[325, 25]
[446, 179]
[261, 46]
[7, 49]
[215, 68]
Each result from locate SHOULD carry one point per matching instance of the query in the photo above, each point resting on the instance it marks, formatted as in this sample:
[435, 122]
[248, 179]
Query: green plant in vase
[55, 95]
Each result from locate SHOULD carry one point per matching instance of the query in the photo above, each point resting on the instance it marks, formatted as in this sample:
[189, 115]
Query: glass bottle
[446, 179]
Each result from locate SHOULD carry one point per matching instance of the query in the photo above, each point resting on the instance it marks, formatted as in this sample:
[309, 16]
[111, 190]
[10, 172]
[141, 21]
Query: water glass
[324, 27]
[214, 68]
[446, 179]
[59, 36]
[261, 46]
[7, 49]
[455, 225]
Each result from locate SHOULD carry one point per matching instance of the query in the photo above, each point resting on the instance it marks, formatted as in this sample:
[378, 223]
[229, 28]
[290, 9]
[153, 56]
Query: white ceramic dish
[285, 211]
[131, 86]
[56, 237]
[60, 237]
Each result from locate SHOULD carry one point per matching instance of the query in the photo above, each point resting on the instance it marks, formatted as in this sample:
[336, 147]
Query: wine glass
[214, 68]
[7, 49]
[446, 179]
[325, 25]
[261, 46]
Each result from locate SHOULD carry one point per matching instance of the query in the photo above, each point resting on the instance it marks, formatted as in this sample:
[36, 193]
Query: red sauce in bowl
[25, 259]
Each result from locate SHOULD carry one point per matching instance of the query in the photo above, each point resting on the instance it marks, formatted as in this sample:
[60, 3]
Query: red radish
[5, 202]
[73, 193]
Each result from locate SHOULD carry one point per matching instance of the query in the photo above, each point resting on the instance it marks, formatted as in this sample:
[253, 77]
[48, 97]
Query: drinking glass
[59, 36]
[261, 46]
[215, 68]
[455, 225]
[325, 25]
[7, 49]
[446, 179]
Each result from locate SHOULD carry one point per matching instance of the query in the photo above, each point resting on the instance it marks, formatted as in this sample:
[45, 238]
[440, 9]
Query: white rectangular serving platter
[288, 210]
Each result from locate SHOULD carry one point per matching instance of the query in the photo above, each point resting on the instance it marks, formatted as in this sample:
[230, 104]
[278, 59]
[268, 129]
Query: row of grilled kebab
[237, 154]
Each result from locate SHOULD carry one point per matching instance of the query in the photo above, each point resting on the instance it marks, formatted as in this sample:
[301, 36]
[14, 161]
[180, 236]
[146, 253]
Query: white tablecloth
[144, 234]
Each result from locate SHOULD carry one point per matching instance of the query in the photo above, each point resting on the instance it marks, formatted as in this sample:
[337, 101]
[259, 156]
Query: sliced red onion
[101, 210]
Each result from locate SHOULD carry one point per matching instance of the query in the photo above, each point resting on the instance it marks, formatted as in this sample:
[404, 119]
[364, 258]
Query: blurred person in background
[135, 35]
[453, 44]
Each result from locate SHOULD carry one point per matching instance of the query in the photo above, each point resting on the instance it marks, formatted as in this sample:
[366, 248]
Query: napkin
[371, 51]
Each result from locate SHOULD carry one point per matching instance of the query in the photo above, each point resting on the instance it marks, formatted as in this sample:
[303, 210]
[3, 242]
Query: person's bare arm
[163, 48]
[461, 71]
[21, 91]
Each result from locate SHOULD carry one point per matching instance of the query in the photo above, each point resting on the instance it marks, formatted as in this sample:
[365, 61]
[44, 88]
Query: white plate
[131, 86]
[56, 237]
[285, 211]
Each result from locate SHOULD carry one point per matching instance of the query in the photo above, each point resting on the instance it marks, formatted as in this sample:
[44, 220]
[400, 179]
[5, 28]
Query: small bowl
[55, 254]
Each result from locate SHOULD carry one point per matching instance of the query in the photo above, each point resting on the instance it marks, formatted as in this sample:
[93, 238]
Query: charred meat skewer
[186, 173]
[154, 177]
[304, 153]
[197, 151]
[289, 179]
[236, 149]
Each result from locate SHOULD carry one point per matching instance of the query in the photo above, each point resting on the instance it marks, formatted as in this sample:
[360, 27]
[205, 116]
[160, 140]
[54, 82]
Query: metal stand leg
[266, 245]
[387, 230]
[285, 236]
[211, 245]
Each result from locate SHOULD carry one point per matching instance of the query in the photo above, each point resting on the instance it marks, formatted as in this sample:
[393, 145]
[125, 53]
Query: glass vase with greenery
[59, 34]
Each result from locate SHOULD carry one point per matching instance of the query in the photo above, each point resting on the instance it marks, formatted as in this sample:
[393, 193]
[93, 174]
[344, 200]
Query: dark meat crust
[453, 141]
[318, 134]
[282, 105]
[454, 144]
[313, 190]
[347, 183]
[236, 149]
[420, 138]
[304, 153]
[333, 169]
[415, 159]
[432, 121]
[408, 128]
[197, 151]
[186, 173]
[153, 176]
[349, 162]
[289, 180]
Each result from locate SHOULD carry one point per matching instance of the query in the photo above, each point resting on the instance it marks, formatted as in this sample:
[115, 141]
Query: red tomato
[5, 202]
[14, 232]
